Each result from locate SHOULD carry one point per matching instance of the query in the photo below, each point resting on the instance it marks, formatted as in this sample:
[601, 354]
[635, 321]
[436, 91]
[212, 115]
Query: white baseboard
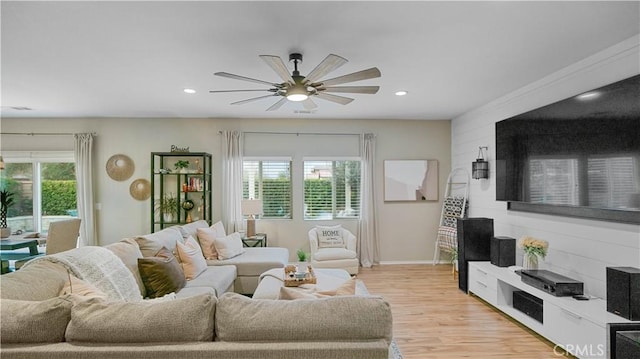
[412, 262]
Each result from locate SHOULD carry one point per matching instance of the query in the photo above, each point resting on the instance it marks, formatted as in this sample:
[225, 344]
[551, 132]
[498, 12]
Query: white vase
[168, 217]
[530, 261]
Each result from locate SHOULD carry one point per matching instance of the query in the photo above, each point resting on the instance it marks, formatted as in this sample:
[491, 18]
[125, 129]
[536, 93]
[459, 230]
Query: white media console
[579, 327]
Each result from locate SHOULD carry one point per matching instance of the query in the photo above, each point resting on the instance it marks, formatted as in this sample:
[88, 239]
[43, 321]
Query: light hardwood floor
[432, 318]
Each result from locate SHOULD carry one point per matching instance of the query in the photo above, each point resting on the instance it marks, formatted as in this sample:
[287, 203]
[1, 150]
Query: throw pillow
[94, 321]
[229, 246]
[78, 287]
[161, 274]
[330, 237]
[207, 237]
[34, 321]
[150, 244]
[193, 262]
[288, 293]
[129, 252]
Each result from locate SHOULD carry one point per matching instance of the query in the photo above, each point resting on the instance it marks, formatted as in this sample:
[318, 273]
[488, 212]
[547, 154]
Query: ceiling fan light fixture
[297, 94]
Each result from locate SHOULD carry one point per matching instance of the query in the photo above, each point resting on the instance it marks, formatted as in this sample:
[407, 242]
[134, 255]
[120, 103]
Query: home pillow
[347, 288]
[330, 237]
[229, 246]
[161, 274]
[193, 262]
[206, 237]
[95, 321]
[34, 321]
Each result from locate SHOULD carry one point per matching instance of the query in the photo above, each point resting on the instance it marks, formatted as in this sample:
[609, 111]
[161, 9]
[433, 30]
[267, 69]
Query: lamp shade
[480, 169]
[251, 207]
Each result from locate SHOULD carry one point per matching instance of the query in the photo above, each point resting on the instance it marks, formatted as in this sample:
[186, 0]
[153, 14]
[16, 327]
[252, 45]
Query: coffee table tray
[310, 278]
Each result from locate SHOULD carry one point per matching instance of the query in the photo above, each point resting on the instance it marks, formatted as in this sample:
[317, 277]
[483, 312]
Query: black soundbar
[552, 283]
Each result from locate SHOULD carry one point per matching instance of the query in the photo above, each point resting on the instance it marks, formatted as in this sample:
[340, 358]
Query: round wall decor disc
[120, 167]
[140, 189]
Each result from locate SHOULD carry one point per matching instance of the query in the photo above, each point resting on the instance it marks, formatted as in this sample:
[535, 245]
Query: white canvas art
[410, 180]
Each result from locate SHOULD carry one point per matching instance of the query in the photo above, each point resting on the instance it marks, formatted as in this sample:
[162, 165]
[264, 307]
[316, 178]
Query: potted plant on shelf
[6, 201]
[167, 206]
[181, 165]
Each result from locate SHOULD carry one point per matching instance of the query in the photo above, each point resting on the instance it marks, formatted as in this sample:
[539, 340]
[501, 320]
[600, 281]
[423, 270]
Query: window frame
[334, 211]
[260, 182]
[37, 158]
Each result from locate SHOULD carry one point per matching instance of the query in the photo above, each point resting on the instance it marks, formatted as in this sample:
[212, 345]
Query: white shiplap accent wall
[578, 248]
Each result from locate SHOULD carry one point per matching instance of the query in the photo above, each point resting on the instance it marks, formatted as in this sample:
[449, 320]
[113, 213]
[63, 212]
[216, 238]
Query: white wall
[407, 230]
[579, 248]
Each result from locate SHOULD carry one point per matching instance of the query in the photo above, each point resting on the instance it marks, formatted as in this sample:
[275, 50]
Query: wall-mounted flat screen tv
[576, 157]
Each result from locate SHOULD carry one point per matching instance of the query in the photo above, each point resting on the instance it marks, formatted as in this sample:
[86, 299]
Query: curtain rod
[299, 133]
[42, 133]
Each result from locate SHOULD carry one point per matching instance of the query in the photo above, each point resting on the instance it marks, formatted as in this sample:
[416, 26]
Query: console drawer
[577, 335]
[481, 276]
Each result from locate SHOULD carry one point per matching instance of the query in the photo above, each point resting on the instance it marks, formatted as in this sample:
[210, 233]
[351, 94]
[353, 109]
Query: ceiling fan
[298, 88]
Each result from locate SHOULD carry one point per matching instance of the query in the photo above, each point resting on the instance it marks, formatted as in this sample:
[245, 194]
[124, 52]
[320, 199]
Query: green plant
[6, 201]
[180, 164]
[167, 205]
[302, 255]
[454, 255]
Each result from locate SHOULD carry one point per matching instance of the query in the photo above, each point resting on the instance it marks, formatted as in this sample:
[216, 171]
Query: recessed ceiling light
[401, 93]
[589, 95]
[189, 91]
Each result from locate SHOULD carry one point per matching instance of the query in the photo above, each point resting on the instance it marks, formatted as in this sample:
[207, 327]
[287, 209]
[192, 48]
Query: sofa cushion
[229, 246]
[207, 236]
[191, 229]
[129, 252]
[239, 318]
[161, 274]
[311, 292]
[328, 254]
[96, 321]
[255, 261]
[218, 278]
[50, 279]
[193, 262]
[34, 322]
[150, 244]
[330, 236]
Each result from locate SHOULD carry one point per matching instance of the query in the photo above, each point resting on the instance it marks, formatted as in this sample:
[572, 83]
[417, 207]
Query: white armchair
[342, 257]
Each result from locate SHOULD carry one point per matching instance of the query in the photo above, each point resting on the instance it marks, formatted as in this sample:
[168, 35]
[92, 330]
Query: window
[43, 187]
[331, 189]
[269, 180]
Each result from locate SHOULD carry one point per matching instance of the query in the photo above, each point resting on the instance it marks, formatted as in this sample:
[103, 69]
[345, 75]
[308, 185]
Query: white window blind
[331, 189]
[269, 180]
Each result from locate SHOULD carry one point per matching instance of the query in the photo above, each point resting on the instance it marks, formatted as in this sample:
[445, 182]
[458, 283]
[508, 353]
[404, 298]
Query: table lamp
[251, 207]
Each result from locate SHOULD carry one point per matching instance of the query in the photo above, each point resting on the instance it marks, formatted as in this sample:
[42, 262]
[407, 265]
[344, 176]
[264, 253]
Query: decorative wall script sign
[175, 148]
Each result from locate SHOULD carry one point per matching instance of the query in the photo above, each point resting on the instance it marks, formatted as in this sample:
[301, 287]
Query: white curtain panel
[83, 153]
[232, 180]
[368, 247]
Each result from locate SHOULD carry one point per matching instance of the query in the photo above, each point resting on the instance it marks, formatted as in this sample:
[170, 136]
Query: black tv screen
[576, 157]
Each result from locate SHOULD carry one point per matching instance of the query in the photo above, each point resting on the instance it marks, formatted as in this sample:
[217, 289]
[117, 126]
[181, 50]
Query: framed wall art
[410, 180]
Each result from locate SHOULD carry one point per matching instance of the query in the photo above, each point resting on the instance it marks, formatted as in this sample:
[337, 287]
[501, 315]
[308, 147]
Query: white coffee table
[272, 280]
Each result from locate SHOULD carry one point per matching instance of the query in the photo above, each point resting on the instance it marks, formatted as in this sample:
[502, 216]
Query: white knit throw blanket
[100, 267]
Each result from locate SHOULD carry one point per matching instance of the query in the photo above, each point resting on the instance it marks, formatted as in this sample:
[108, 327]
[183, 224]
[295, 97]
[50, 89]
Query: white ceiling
[133, 59]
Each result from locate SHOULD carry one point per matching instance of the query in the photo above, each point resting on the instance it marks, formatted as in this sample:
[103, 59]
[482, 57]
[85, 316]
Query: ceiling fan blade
[333, 98]
[278, 104]
[353, 89]
[309, 104]
[219, 91]
[356, 76]
[330, 63]
[252, 99]
[278, 66]
[243, 78]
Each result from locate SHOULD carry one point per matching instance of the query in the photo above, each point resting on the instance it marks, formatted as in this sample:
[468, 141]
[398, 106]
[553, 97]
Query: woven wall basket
[120, 167]
[140, 189]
